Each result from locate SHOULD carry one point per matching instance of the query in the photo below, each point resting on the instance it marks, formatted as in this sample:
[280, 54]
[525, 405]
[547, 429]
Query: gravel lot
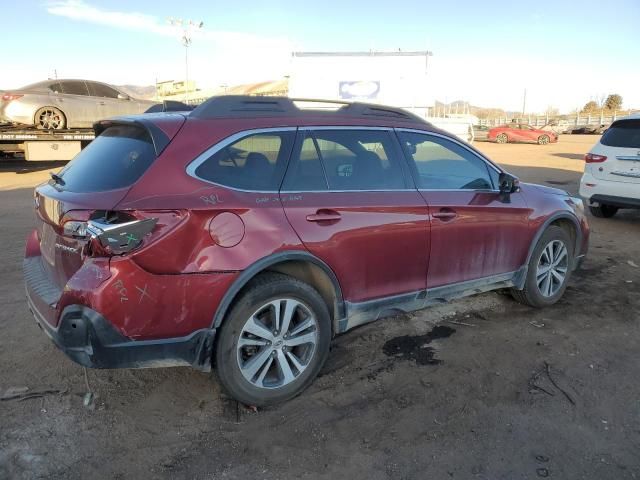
[510, 392]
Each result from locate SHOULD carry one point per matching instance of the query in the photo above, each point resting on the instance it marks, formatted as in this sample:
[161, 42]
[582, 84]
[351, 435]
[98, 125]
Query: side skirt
[365, 312]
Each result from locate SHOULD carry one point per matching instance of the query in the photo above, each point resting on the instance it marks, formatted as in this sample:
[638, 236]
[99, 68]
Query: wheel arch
[564, 220]
[37, 110]
[298, 264]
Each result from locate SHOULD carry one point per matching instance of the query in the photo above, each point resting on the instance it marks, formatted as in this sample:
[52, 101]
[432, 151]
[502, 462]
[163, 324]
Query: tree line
[612, 103]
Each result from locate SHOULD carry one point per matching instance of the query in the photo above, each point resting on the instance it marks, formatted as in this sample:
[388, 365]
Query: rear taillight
[119, 238]
[75, 229]
[7, 97]
[109, 233]
[593, 158]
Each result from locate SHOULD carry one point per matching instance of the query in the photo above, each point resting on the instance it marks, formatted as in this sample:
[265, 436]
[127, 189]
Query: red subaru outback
[250, 231]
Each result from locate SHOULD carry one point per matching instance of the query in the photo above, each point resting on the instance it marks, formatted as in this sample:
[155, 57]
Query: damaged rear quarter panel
[145, 306]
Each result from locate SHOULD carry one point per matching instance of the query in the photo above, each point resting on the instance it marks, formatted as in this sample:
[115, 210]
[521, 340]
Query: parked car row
[61, 104]
[587, 129]
[280, 228]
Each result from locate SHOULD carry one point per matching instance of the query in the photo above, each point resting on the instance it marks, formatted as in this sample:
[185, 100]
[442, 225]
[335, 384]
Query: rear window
[117, 158]
[624, 134]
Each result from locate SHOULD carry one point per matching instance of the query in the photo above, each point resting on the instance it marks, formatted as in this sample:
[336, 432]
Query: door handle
[324, 216]
[445, 215]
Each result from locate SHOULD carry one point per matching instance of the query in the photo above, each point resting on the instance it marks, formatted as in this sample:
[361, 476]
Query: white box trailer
[398, 79]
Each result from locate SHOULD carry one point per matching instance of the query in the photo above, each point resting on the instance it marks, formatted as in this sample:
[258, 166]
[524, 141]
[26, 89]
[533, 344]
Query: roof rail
[243, 106]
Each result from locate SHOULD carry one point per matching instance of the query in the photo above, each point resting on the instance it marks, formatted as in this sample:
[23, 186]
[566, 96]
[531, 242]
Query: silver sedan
[60, 104]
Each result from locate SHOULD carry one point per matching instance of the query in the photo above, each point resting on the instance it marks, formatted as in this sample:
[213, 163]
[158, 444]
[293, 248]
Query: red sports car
[521, 133]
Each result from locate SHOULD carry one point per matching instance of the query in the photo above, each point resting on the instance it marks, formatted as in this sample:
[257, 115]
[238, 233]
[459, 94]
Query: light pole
[187, 27]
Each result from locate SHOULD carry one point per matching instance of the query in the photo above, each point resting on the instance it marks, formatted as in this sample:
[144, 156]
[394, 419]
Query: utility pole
[524, 102]
[187, 27]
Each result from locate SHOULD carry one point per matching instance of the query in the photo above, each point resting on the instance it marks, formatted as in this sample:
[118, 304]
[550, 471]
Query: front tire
[502, 138]
[549, 269]
[274, 341]
[603, 211]
[543, 140]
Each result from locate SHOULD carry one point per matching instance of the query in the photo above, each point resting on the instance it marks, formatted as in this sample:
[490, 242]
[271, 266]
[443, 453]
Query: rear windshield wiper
[57, 178]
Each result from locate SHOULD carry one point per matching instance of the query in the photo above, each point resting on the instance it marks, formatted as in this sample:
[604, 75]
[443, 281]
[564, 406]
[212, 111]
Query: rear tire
[603, 211]
[543, 139]
[259, 358]
[50, 118]
[548, 271]
[502, 138]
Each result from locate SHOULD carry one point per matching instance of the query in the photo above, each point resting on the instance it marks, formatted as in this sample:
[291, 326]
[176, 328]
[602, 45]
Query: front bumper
[87, 338]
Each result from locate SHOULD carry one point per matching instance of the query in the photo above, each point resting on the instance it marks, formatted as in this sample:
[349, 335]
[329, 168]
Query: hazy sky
[486, 52]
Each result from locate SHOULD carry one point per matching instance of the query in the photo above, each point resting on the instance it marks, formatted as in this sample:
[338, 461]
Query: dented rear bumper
[87, 338]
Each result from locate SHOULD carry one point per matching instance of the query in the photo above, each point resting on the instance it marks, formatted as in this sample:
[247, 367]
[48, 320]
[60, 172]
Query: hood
[547, 190]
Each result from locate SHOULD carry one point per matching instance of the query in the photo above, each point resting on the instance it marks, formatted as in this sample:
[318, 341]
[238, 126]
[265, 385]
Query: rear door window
[255, 162]
[100, 90]
[305, 172]
[117, 158]
[74, 88]
[625, 134]
[354, 159]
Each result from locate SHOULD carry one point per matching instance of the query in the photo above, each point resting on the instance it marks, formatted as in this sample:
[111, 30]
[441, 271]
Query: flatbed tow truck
[43, 145]
[51, 145]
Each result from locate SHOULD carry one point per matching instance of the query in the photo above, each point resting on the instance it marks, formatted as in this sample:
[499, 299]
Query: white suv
[611, 177]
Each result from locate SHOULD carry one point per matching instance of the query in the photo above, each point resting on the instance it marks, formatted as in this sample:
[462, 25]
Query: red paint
[485, 237]
[377, 243]
[143, 305]
[226, 229]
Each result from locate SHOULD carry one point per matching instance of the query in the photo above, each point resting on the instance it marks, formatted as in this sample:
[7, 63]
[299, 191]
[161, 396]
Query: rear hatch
[621, 145]
[96, 180]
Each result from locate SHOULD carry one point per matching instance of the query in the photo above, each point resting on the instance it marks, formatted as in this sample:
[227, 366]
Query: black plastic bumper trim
[620, 202]
[87, 338]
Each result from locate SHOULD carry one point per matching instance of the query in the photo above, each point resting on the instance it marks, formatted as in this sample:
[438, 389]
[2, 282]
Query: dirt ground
[481, 388]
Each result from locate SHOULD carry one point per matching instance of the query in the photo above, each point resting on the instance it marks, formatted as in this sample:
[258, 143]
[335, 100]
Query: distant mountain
[138, 91]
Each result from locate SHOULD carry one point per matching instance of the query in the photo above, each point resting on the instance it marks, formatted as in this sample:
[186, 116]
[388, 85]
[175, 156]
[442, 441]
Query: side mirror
[508, 185]
[411, 147]
[123, 96]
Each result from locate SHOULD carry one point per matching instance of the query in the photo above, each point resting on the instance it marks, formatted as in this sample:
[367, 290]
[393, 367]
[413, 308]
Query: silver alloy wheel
[501, 138]
[544, 140]
[277, 343]
[552, 268]
[50, 119]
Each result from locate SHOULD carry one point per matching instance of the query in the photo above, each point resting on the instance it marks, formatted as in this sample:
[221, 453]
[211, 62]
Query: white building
[397, 78]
